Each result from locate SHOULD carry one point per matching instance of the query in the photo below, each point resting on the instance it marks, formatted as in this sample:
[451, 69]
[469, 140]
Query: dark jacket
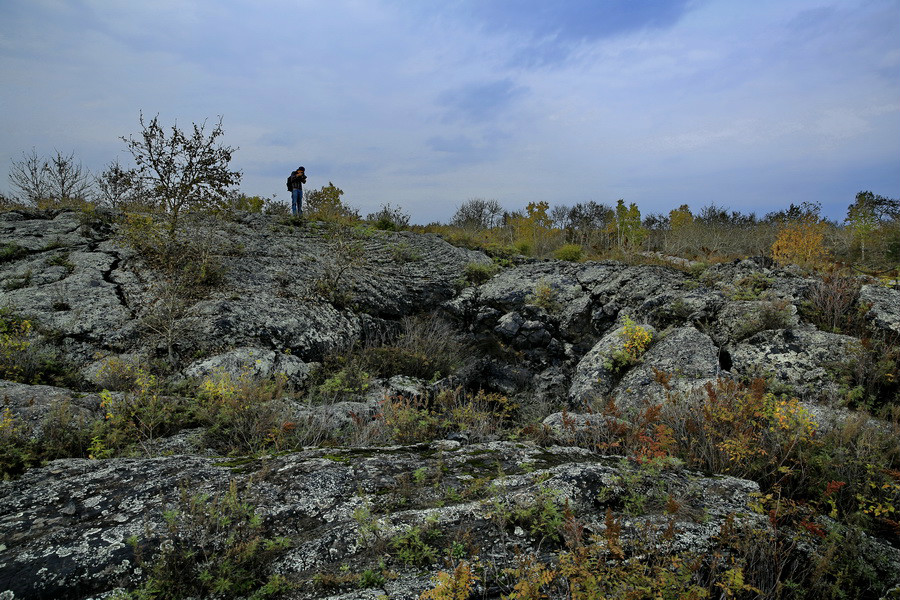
[295, 182]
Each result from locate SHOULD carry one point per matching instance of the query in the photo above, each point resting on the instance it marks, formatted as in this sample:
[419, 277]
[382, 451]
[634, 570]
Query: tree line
[178, 170]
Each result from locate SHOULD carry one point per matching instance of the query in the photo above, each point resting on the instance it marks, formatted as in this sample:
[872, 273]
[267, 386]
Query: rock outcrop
[289, 295]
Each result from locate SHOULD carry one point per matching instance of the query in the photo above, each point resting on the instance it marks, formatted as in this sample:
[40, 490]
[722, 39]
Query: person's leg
[295, 202]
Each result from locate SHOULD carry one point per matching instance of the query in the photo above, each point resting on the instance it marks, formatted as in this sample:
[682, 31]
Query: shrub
[769, 315]
[635, 341]
[801, 242]
[417, 546]
[139, 417]
[14, 342]
[569, 252]
[185, 172]
[26, 357]
[544, 296]
[245, 415]
[389, 219]
[478, 273]
[213, 548]
[542, 516]
[458, 585]
[17, 451]
[11, 252]
[325, 204]
[830, 303]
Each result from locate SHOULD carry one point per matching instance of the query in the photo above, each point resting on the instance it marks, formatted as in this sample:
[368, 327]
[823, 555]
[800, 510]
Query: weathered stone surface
[32, 404]
[65, 528]
[798, 358]
[687, 357]
[885, 311]
[252, 362]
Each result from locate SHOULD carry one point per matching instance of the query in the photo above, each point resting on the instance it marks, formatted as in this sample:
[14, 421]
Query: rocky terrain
[359, 519]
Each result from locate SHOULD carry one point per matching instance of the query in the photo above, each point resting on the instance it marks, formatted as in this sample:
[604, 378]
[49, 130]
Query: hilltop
[337, 411]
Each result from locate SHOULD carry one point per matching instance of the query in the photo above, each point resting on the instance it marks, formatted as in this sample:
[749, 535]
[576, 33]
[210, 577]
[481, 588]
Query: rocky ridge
[546, 331]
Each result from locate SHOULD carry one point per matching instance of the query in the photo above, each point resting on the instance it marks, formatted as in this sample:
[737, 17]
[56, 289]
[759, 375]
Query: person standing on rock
[295, 187]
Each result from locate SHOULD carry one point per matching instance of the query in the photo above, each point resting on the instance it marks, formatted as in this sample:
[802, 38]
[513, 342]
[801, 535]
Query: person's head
[301, 170]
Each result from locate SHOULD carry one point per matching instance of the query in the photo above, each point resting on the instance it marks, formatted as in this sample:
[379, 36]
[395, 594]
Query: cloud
[549, 32]
[480, 102]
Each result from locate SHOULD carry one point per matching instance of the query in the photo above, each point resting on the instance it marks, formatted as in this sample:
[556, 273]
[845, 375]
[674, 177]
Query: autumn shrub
[424, 346]
[481, 416]
[457, 584]
[406, 421]
[212, 547]
[136, 418]
[596, 567]
[801, 242]
[831, 303]
[244, 414]
[869, 373]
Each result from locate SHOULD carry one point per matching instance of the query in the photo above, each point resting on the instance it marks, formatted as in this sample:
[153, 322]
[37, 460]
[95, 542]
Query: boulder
[884, 311]
[799, 358]
[259, 363]
[681, 361]
[595, 375]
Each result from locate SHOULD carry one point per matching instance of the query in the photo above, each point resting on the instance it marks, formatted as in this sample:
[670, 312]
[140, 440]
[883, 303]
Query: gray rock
[739, 319]
[31, 405]
[798, 358]
[884, 313]
[66, 526]
[687, 357]
[97, 295]
[254, 362]
[594, 379]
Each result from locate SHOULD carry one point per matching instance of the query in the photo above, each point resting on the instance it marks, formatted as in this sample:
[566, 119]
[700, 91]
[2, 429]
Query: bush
[138, 417]
[389, 219]
[569, 252]
[478, 273]
[12, 252]
[25, 356]
[213, 548]
[325, 204]
[244, 415]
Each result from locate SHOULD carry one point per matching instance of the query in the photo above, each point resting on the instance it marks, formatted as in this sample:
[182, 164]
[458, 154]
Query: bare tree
[477, 213]
[28, 178]
[69, 181]
[183, 172]
[60, 178]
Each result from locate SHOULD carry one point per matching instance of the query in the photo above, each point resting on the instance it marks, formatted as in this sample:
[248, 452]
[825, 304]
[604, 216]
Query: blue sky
[425, 104]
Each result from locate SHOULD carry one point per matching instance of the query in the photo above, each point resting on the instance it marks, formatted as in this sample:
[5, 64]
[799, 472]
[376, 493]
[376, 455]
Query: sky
[424, 104]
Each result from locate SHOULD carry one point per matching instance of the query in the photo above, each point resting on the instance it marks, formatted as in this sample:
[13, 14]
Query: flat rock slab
[66, 528]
